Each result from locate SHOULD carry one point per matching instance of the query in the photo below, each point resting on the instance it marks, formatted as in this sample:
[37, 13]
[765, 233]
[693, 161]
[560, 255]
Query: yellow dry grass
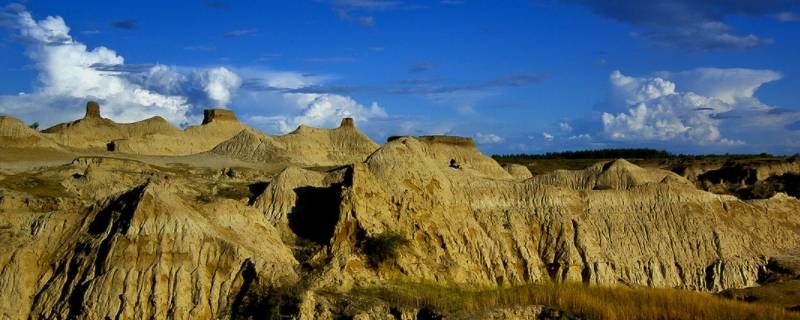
[591, 302]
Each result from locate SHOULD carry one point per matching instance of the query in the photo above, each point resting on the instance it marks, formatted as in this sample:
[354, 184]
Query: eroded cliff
[126, 237]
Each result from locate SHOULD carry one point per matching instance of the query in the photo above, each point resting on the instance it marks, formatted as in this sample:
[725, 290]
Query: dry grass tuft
[585, 301]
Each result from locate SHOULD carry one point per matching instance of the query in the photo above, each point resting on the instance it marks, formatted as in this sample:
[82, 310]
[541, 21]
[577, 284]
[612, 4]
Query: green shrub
[383, 247]
[269, 303]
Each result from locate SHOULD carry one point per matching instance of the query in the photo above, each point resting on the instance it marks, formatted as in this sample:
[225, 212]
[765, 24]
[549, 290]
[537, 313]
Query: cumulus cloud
[66, 74]
[547, 136]
[321, 110]
[488, 138]
[69, 73]
[220, 83]
[706, 106]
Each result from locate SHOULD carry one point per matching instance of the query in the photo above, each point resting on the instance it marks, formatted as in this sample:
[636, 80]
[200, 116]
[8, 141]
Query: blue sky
[518, 76]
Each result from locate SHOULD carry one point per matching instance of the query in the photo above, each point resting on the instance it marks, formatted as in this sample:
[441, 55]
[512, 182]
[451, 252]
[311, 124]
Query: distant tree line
[626, 153]
[594, 154]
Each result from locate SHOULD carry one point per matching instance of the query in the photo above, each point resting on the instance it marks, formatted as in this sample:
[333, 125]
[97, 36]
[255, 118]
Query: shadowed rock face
[210, 115]
[347, 122]
[92, 110]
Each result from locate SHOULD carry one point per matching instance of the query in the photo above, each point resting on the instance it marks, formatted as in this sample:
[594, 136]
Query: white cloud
[66, 74]
[547, 136]
[219, 83]
[727, 85]
[488, 138]
[565, 126]
[580, 137]
[688, 106]
[69, 73]
[321, 110]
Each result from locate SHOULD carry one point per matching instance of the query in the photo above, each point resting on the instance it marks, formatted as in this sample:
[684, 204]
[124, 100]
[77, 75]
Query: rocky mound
[434, 154]
[15, 134]
[747, 178]
[499, 232]
[218, 126]
[95, 132]
[518, 171]
[125, 237]
[305, 146]
[149, 251]
[617, 174]
[153, 136]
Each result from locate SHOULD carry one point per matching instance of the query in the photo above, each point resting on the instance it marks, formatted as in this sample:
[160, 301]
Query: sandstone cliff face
[14, 133]
[116, 237]
[305, 146]
[519, 172]
[146, 252]
[152, 136]
[653, 229]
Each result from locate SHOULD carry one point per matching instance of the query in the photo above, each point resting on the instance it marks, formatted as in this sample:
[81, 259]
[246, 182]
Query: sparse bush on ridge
[589, 302]
[272, 303]
[383, 247]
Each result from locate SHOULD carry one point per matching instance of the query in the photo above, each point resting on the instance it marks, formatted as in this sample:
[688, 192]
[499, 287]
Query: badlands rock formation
[153, 136]
[14, 133]
[117, 235]
[305, 146]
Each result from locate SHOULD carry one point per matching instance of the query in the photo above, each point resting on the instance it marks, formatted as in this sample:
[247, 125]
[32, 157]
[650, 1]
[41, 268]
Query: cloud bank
[69, 73]
[702, 107]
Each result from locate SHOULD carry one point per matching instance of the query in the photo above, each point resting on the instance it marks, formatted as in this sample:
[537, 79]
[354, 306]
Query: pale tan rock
[614, 223]
[15, 134]
[143, 237]
[145, 253]
[305, 146]
[519, 172]
[152, 136]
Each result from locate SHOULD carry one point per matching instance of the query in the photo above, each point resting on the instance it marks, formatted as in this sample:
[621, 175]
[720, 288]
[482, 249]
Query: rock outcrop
[94, 132]
[15, 134]
[210, 115]
[152, 136]
[149, 251]
[305, 146]
[139, 237]
[649, 228]
[518, 171]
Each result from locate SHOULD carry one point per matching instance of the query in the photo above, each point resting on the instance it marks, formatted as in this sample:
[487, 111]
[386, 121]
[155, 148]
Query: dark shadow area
[248, 276]
[428, 314]
[119, 212]
[258, 302]
[733, 174]
[256, 189]
[316, 213]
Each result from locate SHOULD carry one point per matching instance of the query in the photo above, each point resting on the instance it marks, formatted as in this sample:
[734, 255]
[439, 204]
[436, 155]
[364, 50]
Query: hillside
[304, 146]
[153, 136]
[337, 226]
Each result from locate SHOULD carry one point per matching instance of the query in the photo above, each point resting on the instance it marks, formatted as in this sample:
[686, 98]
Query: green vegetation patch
[34, 185]
[383, 247]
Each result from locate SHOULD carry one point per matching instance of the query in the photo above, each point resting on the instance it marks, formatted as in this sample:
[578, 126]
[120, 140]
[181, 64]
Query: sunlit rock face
[117, 234]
